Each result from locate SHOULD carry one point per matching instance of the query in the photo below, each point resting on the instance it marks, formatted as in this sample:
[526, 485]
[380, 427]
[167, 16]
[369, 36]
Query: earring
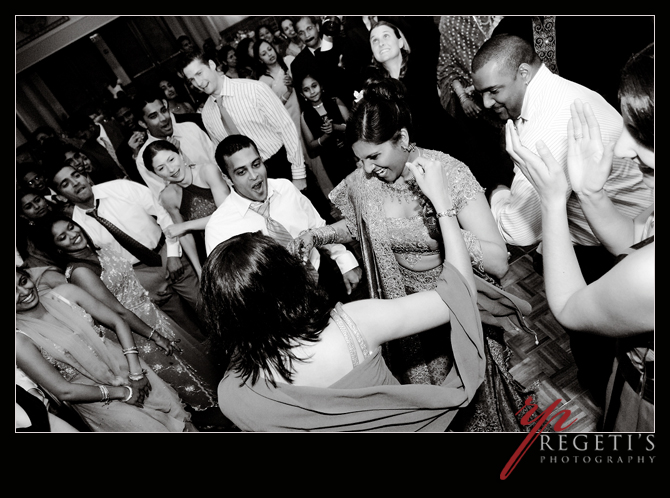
[409, 148]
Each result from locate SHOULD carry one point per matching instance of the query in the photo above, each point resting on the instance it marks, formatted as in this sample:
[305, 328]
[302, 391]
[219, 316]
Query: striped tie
[275, 229]
[278, 232]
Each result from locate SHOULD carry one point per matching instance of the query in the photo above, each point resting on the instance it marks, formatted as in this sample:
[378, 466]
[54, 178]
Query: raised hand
[431, 177]
[543, 172]
[589, 161]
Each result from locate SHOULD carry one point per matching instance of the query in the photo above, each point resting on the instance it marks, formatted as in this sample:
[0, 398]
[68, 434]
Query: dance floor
[549, 363]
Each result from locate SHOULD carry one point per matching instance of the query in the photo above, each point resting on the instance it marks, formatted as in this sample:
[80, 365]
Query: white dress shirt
[544, 116]
[131, 207]
[260, 115]
[194, 144]
[287, 206]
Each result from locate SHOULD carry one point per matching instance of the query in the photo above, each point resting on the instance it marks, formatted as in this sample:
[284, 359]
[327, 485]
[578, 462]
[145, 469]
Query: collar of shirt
[241, 204]
[103, 135]
[226, 87]
[534, 88]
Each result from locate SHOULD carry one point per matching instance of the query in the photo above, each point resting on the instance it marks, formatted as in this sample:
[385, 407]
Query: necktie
[278, 232]
[140, 251]
[275, 229]
[110, 149]
[228, 122]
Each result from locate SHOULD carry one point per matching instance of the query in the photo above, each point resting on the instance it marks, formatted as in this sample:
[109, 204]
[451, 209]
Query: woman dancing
[397, 227]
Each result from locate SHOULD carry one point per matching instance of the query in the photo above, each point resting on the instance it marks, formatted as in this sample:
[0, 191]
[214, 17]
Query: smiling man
[515, 83]
[169, 278]
[154, 116]
[255, 197]
[251, 108]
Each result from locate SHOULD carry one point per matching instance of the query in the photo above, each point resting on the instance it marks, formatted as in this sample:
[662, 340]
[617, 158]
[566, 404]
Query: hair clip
[358, 96]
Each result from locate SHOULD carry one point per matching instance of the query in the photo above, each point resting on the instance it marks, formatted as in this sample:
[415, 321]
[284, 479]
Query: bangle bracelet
[136, 376]
[132, 350]
[324, 235]
[105, 394]
[451, 212]
[319, 141]
[130, 394]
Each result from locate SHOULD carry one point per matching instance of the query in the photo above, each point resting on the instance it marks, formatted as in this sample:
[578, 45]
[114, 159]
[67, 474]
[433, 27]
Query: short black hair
[142, 99]
[229, 146]
[258, 302]
[509, 51]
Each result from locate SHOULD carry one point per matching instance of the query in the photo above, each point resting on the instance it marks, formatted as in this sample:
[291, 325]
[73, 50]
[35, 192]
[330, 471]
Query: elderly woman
[620, 304]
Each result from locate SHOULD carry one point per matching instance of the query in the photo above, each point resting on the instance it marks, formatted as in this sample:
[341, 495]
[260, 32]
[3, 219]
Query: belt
[157, 249]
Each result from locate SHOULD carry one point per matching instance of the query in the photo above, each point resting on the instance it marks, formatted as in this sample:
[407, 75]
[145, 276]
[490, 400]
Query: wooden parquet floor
[550, 363]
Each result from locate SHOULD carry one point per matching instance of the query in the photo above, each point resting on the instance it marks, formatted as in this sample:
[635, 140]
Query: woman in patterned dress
[192, 193]
[177, 356]
[398, 231]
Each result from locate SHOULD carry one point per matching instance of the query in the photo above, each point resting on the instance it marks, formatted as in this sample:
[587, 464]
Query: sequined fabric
[189, 372]
[426, 358]
[196, 203]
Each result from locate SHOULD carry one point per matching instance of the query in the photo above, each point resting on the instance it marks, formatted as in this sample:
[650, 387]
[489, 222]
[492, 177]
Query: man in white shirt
[239, 157]
[514, 82]
[134, 210]
[518, 86]
[154, 116]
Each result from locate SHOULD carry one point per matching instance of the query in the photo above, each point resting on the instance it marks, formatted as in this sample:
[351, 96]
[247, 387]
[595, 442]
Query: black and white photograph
[234, 224]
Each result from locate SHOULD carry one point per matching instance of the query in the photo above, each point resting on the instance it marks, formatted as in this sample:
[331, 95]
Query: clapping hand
[543, 171]
[589, 161]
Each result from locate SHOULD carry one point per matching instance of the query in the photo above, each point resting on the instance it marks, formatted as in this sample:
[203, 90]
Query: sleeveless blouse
[196, 202]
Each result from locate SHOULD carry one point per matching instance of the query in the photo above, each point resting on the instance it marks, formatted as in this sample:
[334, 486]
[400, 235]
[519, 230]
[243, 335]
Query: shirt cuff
[343, 258]
[498, 199]
[173, 249]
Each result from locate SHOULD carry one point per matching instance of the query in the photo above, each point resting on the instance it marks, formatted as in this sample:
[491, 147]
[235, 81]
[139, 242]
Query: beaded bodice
[196, 202]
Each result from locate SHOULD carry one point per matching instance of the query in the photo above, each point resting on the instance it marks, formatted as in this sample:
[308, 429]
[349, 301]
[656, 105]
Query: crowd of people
[308, 232]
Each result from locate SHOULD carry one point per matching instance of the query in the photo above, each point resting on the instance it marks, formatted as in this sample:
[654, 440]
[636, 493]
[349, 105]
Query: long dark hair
[258, 303]
[636, 96]
[280, 59]
[44, 240]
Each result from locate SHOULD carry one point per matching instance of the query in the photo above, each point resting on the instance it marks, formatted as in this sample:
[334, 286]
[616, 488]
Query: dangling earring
[409, 148]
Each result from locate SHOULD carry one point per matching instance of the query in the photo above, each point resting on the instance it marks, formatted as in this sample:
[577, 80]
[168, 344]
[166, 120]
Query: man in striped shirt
[514, 82]
[517, 85]
[253, 110]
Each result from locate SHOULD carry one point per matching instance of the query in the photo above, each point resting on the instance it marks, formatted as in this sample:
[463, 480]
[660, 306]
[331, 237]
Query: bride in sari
[398, 231]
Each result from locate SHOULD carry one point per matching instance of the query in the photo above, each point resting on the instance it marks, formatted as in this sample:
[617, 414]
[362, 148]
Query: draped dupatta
[75, 341]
